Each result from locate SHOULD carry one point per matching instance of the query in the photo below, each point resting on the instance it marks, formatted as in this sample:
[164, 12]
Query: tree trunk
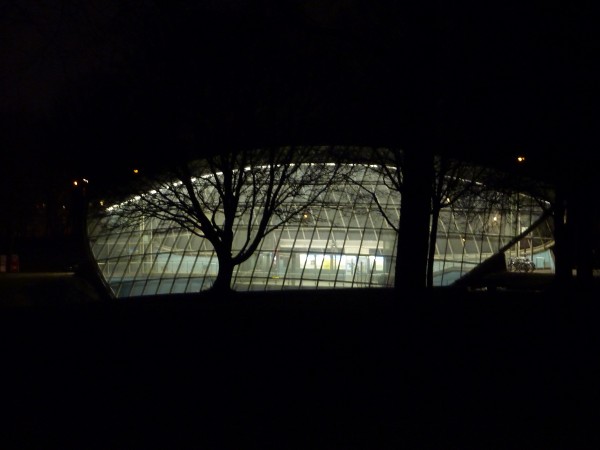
[225, 274]
[413, 234]
[435, 214]
[562, 255]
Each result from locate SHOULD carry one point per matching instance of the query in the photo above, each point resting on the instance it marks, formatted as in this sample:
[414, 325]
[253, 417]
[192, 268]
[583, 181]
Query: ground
[368, 369]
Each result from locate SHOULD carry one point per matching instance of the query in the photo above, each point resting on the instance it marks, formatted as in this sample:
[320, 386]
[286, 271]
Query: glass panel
[345, 243]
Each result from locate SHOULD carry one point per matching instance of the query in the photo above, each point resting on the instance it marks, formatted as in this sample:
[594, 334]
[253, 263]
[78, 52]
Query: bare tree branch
[233, 199]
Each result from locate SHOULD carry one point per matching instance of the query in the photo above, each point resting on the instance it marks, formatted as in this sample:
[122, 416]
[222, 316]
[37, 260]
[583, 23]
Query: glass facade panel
[347, 243]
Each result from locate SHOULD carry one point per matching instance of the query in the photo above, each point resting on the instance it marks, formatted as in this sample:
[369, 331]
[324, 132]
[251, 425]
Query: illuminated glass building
[345, 243]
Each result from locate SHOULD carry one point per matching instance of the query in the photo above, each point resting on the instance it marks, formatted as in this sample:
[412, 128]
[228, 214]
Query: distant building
[346, 244]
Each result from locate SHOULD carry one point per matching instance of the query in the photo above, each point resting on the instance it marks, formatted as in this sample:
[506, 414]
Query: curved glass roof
[347, 241]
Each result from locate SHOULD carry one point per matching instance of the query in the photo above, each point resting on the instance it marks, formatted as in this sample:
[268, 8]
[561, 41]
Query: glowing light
[75, 183]
[136, 171]
[520, 159]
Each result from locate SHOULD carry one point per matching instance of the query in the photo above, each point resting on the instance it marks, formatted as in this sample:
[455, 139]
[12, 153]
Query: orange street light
[520, 159]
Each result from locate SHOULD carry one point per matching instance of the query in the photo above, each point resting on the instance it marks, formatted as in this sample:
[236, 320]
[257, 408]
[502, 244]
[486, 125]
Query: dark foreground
[304, 370]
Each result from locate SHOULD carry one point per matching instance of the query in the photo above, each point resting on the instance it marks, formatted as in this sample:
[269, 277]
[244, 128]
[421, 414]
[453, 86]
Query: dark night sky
[83, 83]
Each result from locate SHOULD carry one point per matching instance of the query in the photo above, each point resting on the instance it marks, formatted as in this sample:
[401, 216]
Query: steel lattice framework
[344, 243]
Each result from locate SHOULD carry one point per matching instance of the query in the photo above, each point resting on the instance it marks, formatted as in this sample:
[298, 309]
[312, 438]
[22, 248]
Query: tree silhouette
[477, 191]
[232, 199]
[456, 182]
[404, 173]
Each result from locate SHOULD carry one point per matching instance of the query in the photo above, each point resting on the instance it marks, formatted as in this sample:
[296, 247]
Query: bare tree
[386, 166]
[232, 199]
[454, 183]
